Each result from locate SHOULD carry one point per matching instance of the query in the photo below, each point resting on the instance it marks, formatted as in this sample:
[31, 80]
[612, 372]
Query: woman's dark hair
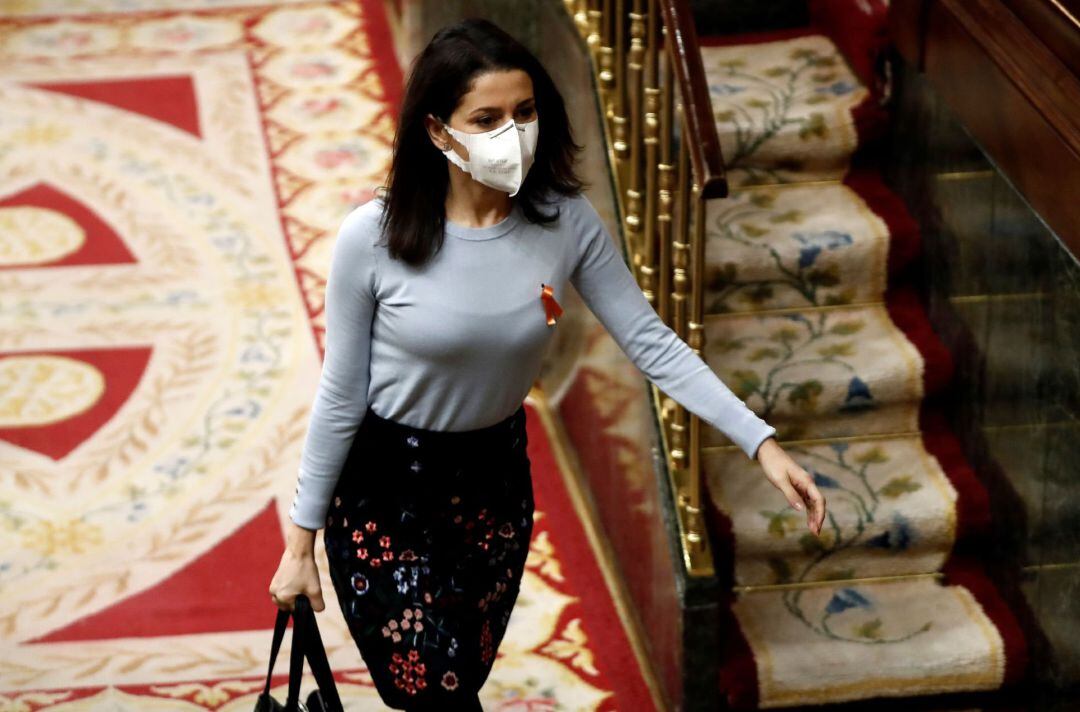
[418, 180]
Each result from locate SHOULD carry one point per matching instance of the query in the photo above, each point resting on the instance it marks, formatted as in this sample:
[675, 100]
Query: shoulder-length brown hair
[416, 187]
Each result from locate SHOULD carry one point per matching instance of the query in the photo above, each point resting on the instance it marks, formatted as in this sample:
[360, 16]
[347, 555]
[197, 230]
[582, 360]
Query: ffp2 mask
[499, 158]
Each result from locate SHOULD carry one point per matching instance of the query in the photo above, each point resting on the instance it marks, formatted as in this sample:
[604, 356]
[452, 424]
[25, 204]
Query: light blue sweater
[457, 343]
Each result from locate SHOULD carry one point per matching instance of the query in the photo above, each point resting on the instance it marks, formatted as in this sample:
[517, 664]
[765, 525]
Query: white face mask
[499, 158]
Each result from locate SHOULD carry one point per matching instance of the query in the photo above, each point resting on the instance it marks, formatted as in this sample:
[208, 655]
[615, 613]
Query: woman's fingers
[296, 576]
[315, 597]
[818, 506]
[790, 493]
[796, 484]
[281, 603]
[815, 509]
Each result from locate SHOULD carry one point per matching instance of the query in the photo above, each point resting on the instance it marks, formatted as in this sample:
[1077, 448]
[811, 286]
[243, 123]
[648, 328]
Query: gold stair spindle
[605, 58]
[649, 123]
[617, 41]
[606, 55]
[679, 259]
[619, 105]
[585, 20]
[665, 159]
[632, 194]
[665, 193]
[695, 338]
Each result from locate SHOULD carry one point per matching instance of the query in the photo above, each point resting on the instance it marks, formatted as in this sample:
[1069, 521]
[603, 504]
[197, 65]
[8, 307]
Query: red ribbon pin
[551, 307]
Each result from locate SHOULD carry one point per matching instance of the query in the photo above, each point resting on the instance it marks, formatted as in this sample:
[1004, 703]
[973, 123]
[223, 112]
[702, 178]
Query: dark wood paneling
[907, 29]
[1056, 23]
[1016, 98]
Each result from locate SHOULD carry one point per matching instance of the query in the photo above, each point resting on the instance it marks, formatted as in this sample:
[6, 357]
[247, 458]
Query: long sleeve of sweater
[605, 283]
[341, 399]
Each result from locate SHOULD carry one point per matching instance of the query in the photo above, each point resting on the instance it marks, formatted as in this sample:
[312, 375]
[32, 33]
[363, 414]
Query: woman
[415, 463]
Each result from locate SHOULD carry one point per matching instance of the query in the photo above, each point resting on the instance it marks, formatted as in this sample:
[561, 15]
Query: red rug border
[579, 567]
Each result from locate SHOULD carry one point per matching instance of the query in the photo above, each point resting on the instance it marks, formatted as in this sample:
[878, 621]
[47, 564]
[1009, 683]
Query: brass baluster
[633, 193]
[665, 164]
[665, 194]
[649, 137]
[679, 277]
[695, 338]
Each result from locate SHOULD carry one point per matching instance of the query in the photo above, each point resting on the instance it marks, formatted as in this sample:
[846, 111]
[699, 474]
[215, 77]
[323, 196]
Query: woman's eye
[487, 120]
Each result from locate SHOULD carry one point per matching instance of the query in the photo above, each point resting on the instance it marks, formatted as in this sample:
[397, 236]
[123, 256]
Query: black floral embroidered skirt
[426, 538]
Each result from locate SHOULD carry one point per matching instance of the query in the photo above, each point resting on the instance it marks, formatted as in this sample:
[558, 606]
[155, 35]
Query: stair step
[811, 244]
[830, 372]
[895, 506]
[787, 110]
[813, 320]
[860, 640]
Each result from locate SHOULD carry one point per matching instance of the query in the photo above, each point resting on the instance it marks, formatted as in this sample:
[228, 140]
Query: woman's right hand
[297, 572]
[793, 481]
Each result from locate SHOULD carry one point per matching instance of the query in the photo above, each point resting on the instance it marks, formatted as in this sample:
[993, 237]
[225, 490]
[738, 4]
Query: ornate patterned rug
[815, 319]
[172, 173]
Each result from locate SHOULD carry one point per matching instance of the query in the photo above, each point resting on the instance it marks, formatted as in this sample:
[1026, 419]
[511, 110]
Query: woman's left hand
[791, 479]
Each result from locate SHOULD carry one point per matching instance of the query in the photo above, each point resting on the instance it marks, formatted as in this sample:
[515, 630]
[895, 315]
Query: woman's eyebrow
[496, 108]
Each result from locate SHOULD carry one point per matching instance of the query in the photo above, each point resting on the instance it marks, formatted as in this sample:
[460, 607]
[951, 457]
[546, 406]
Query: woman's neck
[473, 204]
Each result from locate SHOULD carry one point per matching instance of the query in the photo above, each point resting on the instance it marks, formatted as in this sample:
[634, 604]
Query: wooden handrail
[706, 157]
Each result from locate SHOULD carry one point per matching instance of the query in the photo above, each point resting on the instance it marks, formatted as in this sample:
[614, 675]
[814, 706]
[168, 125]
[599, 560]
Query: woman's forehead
[498, 89]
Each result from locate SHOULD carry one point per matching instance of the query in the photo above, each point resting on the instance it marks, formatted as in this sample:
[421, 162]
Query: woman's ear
[437, 132]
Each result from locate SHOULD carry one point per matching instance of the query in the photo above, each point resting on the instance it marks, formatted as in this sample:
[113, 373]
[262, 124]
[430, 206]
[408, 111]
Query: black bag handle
[306, 643]
[296, 658]
[279, 635]
[320, 666]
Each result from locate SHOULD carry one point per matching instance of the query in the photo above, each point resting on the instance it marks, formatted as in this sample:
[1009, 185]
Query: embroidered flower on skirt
[429, 573]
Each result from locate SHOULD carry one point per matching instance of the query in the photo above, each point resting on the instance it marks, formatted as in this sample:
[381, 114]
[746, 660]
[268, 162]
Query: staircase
[813, 316]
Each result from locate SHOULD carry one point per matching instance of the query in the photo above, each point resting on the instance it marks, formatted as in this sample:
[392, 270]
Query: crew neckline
[487, 232]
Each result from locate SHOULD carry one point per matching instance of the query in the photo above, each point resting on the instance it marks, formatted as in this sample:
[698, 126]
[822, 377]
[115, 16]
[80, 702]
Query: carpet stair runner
[813, 318]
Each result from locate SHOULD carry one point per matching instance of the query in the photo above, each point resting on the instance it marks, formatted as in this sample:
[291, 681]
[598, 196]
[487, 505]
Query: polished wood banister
[705, 154]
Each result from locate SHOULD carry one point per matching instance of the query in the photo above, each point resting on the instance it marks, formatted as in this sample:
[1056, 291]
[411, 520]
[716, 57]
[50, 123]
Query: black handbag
[306, 642]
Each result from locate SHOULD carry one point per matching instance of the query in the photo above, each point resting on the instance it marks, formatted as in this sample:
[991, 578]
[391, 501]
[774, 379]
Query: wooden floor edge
[573, 477]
